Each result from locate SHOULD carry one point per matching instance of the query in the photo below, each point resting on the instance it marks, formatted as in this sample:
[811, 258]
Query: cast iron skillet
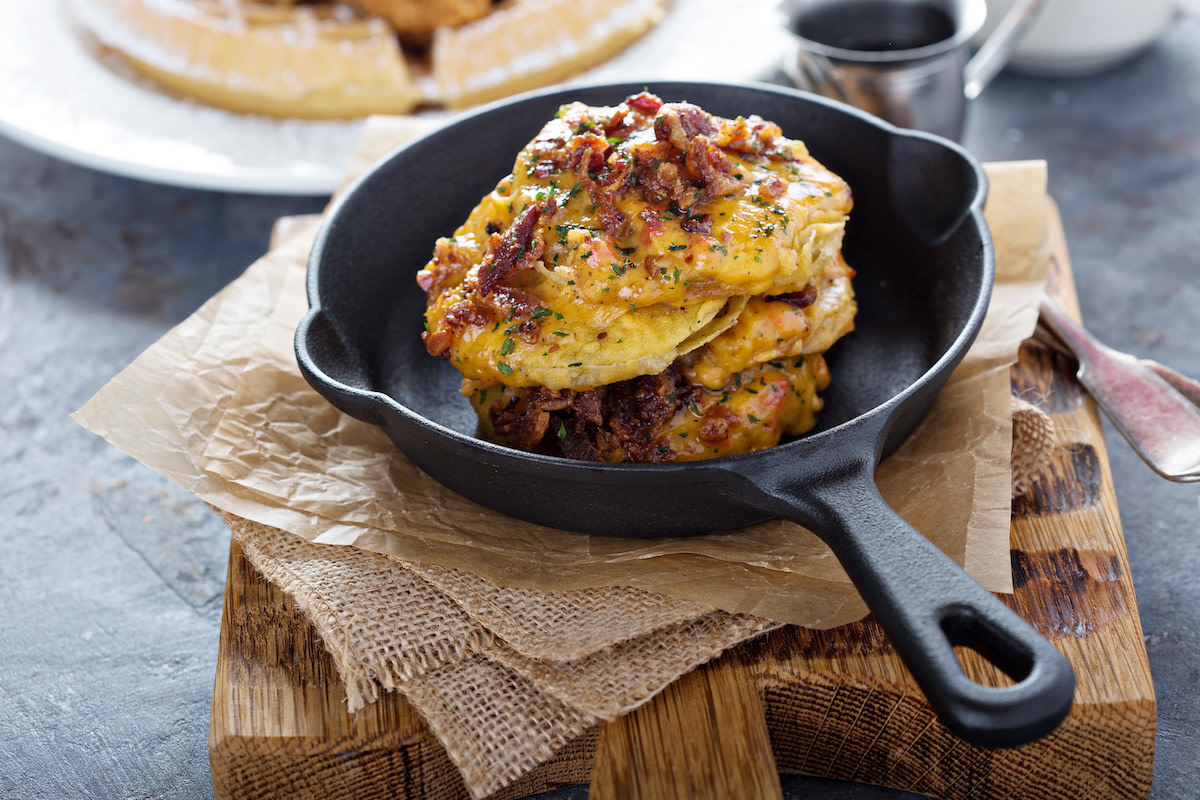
[925, 267]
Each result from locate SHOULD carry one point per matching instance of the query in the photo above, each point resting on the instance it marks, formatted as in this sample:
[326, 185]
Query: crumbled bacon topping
[592, 425]
[672, 154]
[517, 248]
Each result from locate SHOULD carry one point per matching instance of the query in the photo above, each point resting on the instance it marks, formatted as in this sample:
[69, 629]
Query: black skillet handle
[928, 605]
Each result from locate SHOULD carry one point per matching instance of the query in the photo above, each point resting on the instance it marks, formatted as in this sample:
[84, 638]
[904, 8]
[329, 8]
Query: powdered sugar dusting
[61, 95]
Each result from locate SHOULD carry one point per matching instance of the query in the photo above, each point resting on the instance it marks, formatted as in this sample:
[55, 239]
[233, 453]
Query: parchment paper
[219, 407]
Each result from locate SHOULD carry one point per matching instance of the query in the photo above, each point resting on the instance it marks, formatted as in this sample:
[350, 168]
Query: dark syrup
[875, 25]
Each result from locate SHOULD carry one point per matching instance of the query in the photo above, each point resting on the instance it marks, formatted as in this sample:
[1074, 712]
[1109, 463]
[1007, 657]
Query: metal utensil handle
[999, 47]
[928, 606]
[1161, 424]
[1188, 387]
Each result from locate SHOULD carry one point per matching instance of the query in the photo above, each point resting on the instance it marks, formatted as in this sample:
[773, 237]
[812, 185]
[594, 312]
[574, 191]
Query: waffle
[525, 44]
[311, 61]
[344, 60]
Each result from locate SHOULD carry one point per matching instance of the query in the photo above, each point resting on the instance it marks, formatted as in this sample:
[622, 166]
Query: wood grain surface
[834, 703]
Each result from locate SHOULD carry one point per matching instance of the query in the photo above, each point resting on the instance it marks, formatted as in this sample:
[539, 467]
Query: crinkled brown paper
[219, 407]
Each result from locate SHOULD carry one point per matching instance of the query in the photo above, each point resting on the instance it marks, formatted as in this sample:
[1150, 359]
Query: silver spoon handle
[1161, 424]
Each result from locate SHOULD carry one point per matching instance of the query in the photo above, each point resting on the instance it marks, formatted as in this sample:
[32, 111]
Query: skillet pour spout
[925, 265]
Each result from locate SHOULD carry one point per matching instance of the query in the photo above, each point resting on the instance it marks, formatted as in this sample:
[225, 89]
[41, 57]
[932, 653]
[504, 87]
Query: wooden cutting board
[834, 703]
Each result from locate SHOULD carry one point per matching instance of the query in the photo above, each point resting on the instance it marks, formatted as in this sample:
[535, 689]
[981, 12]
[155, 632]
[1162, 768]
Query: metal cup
[906, 61]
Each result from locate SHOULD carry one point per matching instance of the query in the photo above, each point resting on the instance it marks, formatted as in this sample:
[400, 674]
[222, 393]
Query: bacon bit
[679, 123]
[801, 299]
[507, 302]
[602, 178]
[611, 217]
[504, 303]
[734, 134]
[653, 227]
[602, 335]
[716, 426]
[644, 102]
[637, 408]
[529, 332]
[706, 160]
[493, 227]
[550, 154]
[466, 313]
[445, 268]
[588, 153]
[752, 135]
[617, 120]
[437, 343]
[524, 428]
[587, 407]
[665, 185]
[576, 445]
[772, 188]
[551, 399]
[701, 224]
[516, 247]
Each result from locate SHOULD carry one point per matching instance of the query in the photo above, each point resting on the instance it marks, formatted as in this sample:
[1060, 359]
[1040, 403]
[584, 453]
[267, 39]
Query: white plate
[56, 96]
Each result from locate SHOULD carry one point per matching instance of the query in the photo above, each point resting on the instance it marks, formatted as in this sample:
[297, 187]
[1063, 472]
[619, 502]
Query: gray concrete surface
[111, 578]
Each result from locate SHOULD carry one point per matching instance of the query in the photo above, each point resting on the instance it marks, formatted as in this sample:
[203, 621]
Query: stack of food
[291, 58]
[651, 283]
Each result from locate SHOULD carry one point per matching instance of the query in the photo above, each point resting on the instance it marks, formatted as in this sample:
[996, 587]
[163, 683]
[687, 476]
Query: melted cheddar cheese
[632, 239]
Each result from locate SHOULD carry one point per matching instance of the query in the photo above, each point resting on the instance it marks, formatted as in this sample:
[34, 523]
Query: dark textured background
[111, 578]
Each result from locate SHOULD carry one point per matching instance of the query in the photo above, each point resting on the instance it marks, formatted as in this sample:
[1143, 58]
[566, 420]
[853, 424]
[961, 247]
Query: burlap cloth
[511, 658]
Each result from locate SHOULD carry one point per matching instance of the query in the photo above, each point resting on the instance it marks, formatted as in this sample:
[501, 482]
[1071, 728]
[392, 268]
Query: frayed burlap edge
[499, 710]
[355, 601]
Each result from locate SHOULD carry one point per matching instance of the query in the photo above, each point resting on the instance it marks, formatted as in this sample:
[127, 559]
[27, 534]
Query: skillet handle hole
[984, 655]
[979, 670]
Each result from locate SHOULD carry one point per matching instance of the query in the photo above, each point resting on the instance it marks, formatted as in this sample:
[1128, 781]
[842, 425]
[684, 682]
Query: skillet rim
[881, 414]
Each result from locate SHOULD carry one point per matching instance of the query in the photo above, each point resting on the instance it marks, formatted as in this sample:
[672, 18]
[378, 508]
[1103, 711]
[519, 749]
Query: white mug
[1081, 37]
